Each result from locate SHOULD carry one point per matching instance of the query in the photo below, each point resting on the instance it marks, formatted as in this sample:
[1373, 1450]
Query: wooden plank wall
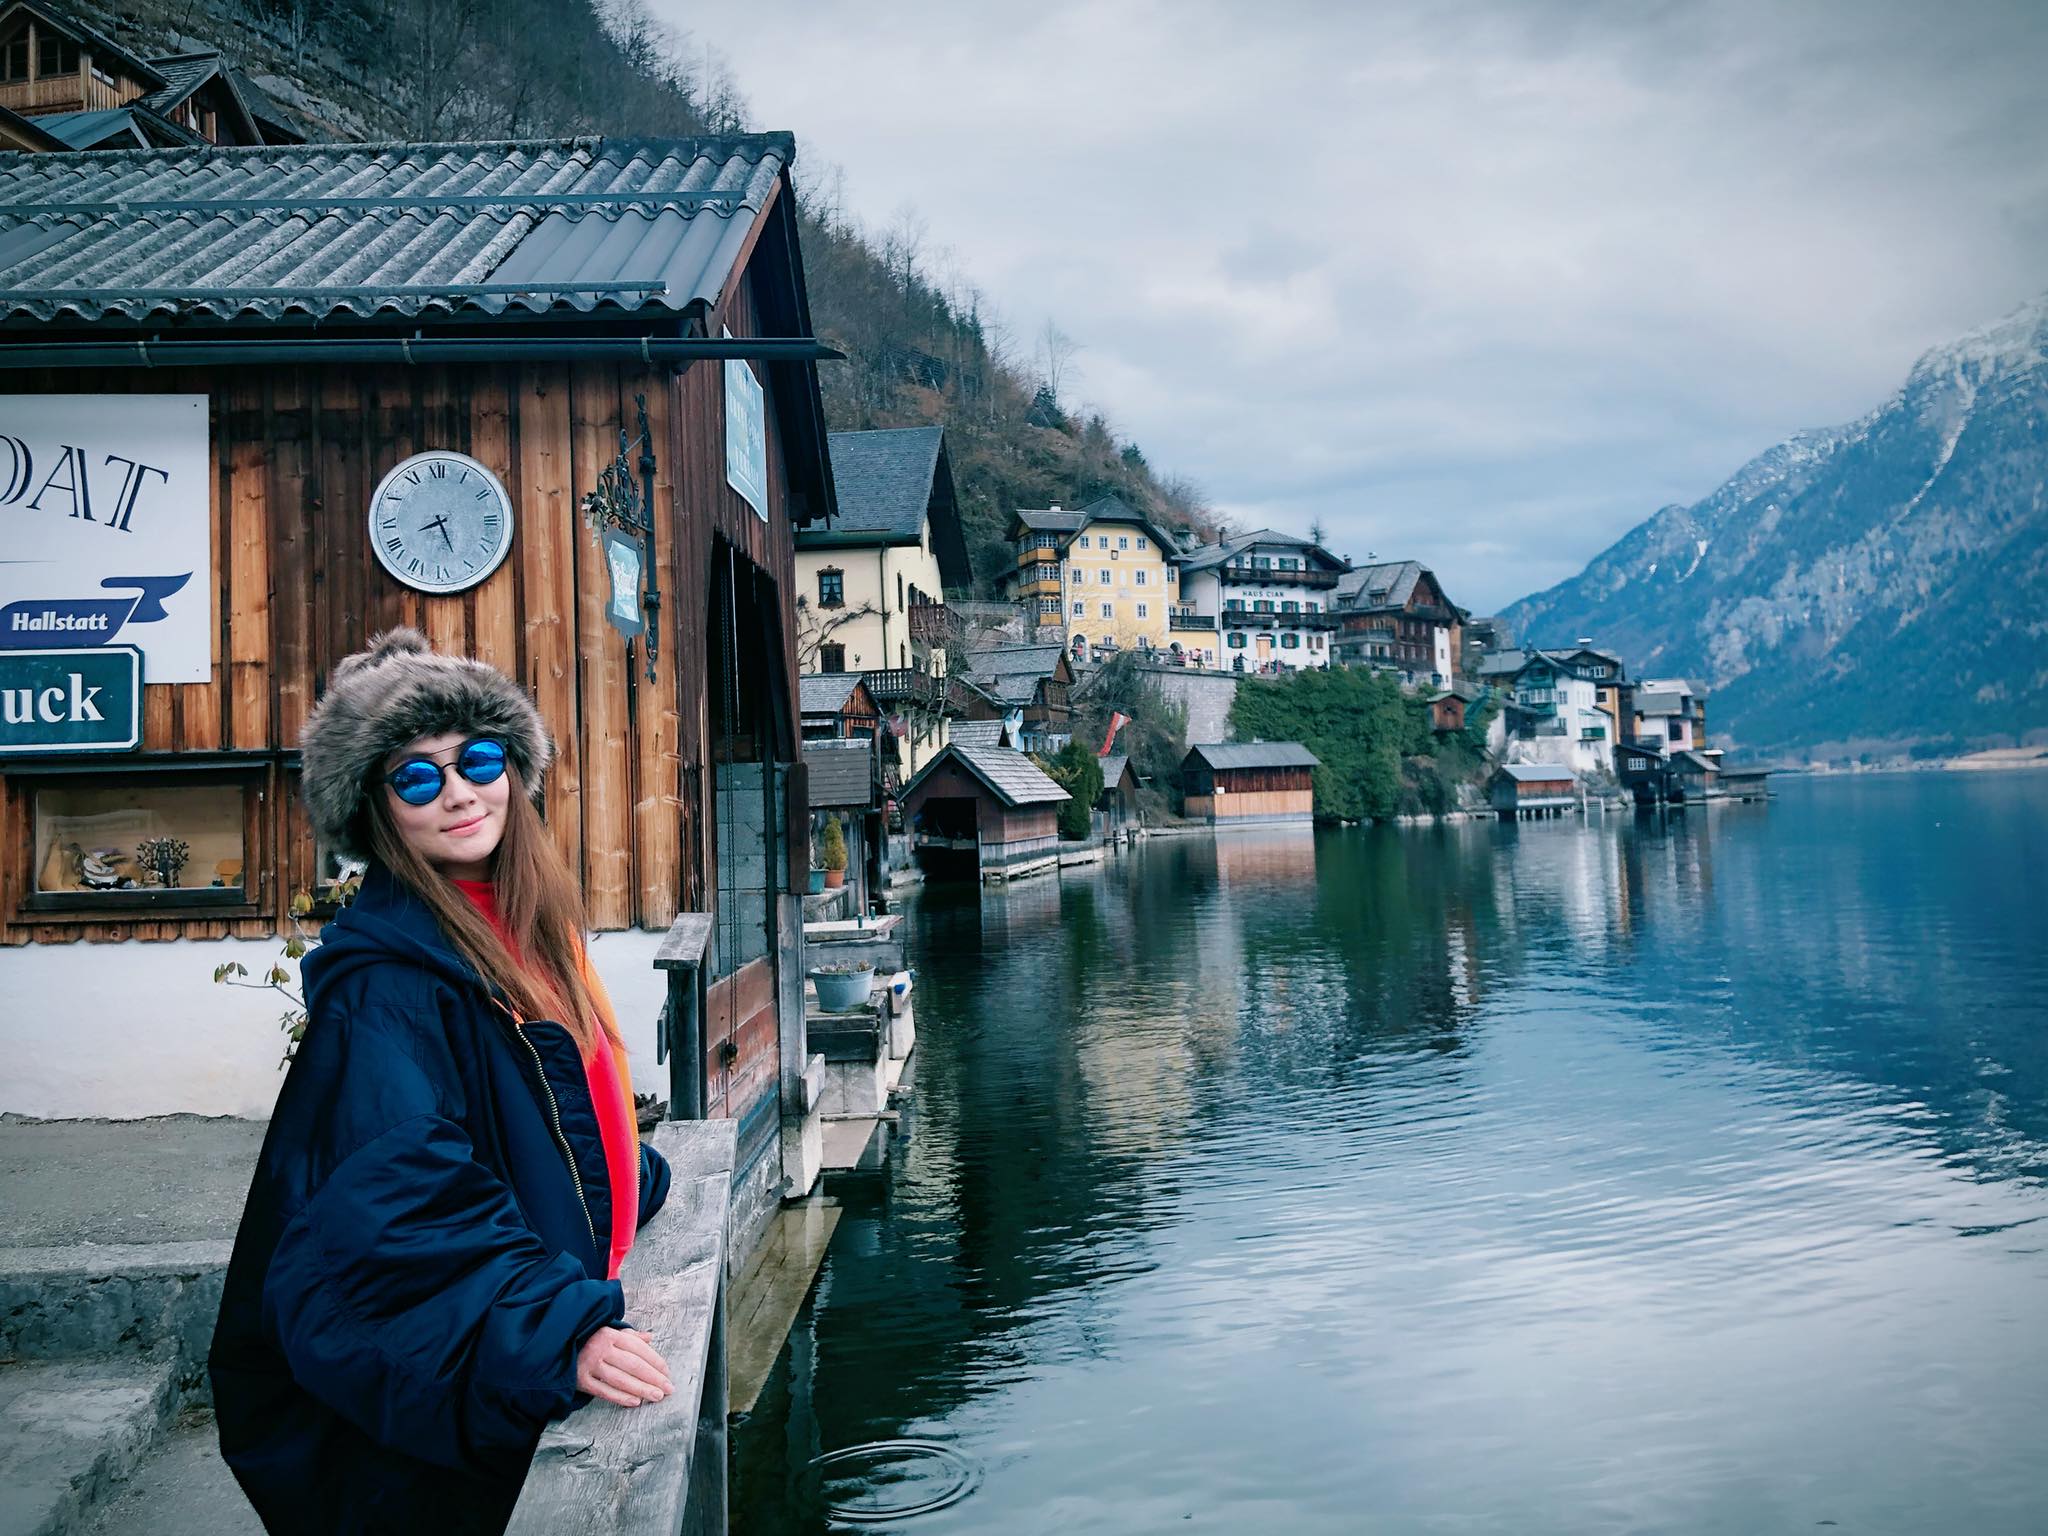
[296, 453]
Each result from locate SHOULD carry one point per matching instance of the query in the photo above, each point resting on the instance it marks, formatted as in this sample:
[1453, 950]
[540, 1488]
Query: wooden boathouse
[1249, 783]
[986, 811]
[553, 403]
[1519, 791]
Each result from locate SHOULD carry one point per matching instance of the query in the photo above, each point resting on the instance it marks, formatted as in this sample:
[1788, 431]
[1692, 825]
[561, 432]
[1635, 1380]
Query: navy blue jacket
[424, 1246]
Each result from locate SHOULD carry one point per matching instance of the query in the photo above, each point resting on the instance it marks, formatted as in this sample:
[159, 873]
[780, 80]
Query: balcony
[1187, 618]
[1239, 570]
[1251, 618]
[935, 624]
[906, 688]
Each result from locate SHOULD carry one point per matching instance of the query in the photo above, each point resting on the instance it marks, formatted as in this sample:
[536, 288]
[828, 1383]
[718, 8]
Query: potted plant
[832, 854]
[817, 882]
[843, 987]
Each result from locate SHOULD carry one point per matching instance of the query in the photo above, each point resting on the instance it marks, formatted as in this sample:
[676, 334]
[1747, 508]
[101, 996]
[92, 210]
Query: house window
[136, 842]
[1048, 607]
[831, 589]
[1144, 611]
[1172, 576]
[1080, 610]
[1674, 729]
[831, 658]
[1077, 575]
[1290, 606]
[1235, 602]
[1263, 605]
[1236, 640]
[1104, 573]
[1123, 541]
[1109, 610]
[14, 59]
[55, 55]
[1141, 578]
[899, 591]
[1141, 542]
[1315, 642]
[1290, 641]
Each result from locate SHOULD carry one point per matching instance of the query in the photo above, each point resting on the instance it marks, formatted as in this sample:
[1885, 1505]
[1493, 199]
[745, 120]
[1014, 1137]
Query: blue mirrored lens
[415, 781]
[481, 761]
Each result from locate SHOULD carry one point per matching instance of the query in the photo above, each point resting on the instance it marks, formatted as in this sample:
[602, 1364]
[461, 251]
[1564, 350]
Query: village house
[1119, 799]
[1027, 685]
[1102, 578]
[1558, 714]
[1394, 617]
[264, 403]
[1670, 712]
[1270, 594]
[1521, 791]
[871, 588]
[836, 706]
[985, 812]
[1242, 784]
[76, 88]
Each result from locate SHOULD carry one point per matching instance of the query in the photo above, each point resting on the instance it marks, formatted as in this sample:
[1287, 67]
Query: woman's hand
[621, 1367]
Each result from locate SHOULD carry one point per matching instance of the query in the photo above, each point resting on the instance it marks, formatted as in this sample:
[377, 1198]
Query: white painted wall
[120, 1031]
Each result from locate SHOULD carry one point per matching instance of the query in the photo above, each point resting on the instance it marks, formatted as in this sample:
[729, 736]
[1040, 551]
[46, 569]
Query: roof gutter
[238, 351]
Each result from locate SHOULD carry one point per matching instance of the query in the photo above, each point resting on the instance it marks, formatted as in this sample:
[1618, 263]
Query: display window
[101, 844]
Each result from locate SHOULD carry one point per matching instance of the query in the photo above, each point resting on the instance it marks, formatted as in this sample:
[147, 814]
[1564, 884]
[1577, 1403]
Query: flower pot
[834, 878]
[818, 881]
[843, 991]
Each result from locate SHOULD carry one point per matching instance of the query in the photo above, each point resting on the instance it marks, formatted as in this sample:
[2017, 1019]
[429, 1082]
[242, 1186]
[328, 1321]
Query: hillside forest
[923, 345]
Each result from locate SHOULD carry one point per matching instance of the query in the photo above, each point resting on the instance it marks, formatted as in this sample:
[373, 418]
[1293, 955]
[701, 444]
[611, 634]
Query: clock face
[441, 522]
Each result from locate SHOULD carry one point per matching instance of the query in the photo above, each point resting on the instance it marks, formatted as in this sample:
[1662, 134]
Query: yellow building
[1102, 575]
[871, 587]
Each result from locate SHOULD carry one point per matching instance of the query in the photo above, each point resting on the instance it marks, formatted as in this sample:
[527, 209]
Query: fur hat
[395, 692]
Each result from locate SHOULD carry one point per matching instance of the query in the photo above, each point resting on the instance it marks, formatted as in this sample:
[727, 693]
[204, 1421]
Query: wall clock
[441, 522]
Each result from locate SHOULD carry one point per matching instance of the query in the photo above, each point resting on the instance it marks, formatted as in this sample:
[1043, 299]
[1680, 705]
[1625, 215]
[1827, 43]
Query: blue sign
[83, 700]
[746, 434]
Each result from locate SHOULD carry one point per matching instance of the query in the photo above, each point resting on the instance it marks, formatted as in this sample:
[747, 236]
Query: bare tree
[1056, 351]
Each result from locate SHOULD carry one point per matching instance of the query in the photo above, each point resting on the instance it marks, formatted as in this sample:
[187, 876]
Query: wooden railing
[659, 1467]
[935, 624]
[905, 685]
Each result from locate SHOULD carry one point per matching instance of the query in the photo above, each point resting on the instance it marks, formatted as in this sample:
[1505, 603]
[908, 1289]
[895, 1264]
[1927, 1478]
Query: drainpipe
[231, 351]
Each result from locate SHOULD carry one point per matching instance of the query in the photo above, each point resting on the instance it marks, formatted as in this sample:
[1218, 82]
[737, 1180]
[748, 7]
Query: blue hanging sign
[83, 700]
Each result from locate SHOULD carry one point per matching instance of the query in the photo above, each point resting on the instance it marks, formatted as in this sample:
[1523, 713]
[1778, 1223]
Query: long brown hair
[538, 902]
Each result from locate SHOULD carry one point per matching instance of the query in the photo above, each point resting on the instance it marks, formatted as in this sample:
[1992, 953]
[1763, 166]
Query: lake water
[1682, 1174]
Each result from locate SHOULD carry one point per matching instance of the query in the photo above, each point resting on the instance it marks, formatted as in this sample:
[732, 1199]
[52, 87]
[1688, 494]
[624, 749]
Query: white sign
[746, 434]
[104, 537]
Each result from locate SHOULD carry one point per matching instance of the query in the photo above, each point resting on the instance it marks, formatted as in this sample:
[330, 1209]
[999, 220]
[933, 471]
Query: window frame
[252, 776]
[838, 575]
[828, 653]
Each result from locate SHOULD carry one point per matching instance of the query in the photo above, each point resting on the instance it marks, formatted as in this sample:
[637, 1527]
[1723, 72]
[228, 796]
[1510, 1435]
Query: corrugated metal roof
[82, 130]
[1538, 773]
[1051, 520]
[1255, 754]
[309, 231]
[1660, 704]
[1204, 556]
[842, 773]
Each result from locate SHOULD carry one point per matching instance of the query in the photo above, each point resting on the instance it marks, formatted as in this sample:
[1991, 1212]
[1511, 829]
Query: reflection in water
[1679, 1174]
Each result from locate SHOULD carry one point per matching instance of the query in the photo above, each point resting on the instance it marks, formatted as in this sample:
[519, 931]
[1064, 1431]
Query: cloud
[1485, 283]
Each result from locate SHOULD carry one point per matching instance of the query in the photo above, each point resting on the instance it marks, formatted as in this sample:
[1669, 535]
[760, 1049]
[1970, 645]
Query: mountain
[1874, 589]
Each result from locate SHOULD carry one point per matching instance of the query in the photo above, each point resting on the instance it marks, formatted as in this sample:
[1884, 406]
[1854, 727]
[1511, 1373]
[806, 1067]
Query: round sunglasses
[418, 780]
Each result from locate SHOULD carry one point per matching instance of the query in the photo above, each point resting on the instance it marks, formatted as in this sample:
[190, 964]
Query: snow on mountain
[1879, 583]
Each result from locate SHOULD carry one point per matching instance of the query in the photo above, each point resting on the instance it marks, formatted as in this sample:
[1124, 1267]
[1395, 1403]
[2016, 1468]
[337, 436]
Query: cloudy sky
[1479, 283]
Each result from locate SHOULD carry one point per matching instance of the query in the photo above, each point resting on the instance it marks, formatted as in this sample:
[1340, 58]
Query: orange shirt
[611, 1091]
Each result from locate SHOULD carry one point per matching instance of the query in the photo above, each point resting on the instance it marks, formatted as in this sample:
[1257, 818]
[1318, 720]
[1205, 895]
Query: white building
[1558, 713]
[1271, 597]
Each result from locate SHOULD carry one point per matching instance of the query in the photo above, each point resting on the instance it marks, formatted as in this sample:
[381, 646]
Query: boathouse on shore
[553, 403]
[980, 810]
[1244, 783]
[1520, 790]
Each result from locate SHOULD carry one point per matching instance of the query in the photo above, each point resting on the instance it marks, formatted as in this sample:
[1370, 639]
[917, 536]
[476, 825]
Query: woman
[426, 1271]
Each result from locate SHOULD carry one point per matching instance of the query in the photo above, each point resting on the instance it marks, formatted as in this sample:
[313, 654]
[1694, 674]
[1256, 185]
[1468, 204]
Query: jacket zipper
[555, 1114]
